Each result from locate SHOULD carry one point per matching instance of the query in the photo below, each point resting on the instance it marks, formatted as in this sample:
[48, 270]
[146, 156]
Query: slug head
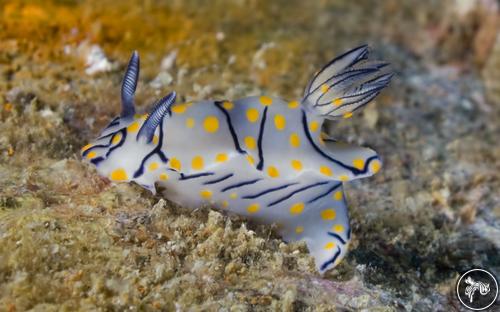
[125, 145]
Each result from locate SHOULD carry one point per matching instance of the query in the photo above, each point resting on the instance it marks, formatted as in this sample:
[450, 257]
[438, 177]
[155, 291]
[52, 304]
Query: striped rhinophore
[261, 157]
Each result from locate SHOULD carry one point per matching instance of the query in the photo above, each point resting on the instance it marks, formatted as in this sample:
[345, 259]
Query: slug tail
[323, 224]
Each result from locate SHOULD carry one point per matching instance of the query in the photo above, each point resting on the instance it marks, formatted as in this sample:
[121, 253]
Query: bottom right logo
[477, 289]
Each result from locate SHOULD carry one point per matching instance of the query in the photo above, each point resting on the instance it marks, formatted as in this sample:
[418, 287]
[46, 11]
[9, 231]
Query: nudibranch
[260, 157]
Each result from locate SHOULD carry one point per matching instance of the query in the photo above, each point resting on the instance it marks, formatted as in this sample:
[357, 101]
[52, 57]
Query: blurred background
[70, 240]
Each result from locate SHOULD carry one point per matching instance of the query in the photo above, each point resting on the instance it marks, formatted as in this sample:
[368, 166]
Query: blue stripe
[364, 104]
[325, 194]
[105, 136]
[368, 91]
[360, 57]
[337, 236]
[240, 185]
[93, 147]
[343, 72]
[260, 165]
[332, 260]
[156, 150]
[97, 160]
[363, 72]
[123, 132]
[113, 122]
[367, 98]
[194, 176]
[124, 135]
[231, 128]
[296, 191]
[218, 180]
[322, 153]
[269, 191]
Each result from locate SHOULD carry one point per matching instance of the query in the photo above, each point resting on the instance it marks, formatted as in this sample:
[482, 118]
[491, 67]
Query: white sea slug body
[260, 157]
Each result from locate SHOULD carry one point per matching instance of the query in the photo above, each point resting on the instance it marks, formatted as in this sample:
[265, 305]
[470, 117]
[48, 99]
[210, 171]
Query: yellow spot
[253, 208]
[252, 114]
[251, 160]
[296, 164]
[347, 115]
[163, 176]
[343, 178]
[293, 104]
[297, 208]
[197, 163]
[155, 139]
[116, 138]
[265, 100]
[294, 140]
[211, 124]
[299, 229]
[375, 166]
[179, 108]
[324, 88]
[329, 245]
[190, 122]
[222, 157]
[279, 122]
[339, 228]
[86, 147]
[337, 102]
[328, 214]
[7, 107]
[313, 126]
[133, 127]
[250, 142]
[91, 155]
[337, 195]
[119, 175]
[225, 204]
[153, 166]
[233, 195]
[175, 163]
[206, 194]
[228, 105]
[358, 163]
[326, 171]
[10, 151]
[273, 172]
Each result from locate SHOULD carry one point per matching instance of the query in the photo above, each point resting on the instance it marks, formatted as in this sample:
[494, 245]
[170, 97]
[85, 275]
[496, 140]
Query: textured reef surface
[70, 240]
